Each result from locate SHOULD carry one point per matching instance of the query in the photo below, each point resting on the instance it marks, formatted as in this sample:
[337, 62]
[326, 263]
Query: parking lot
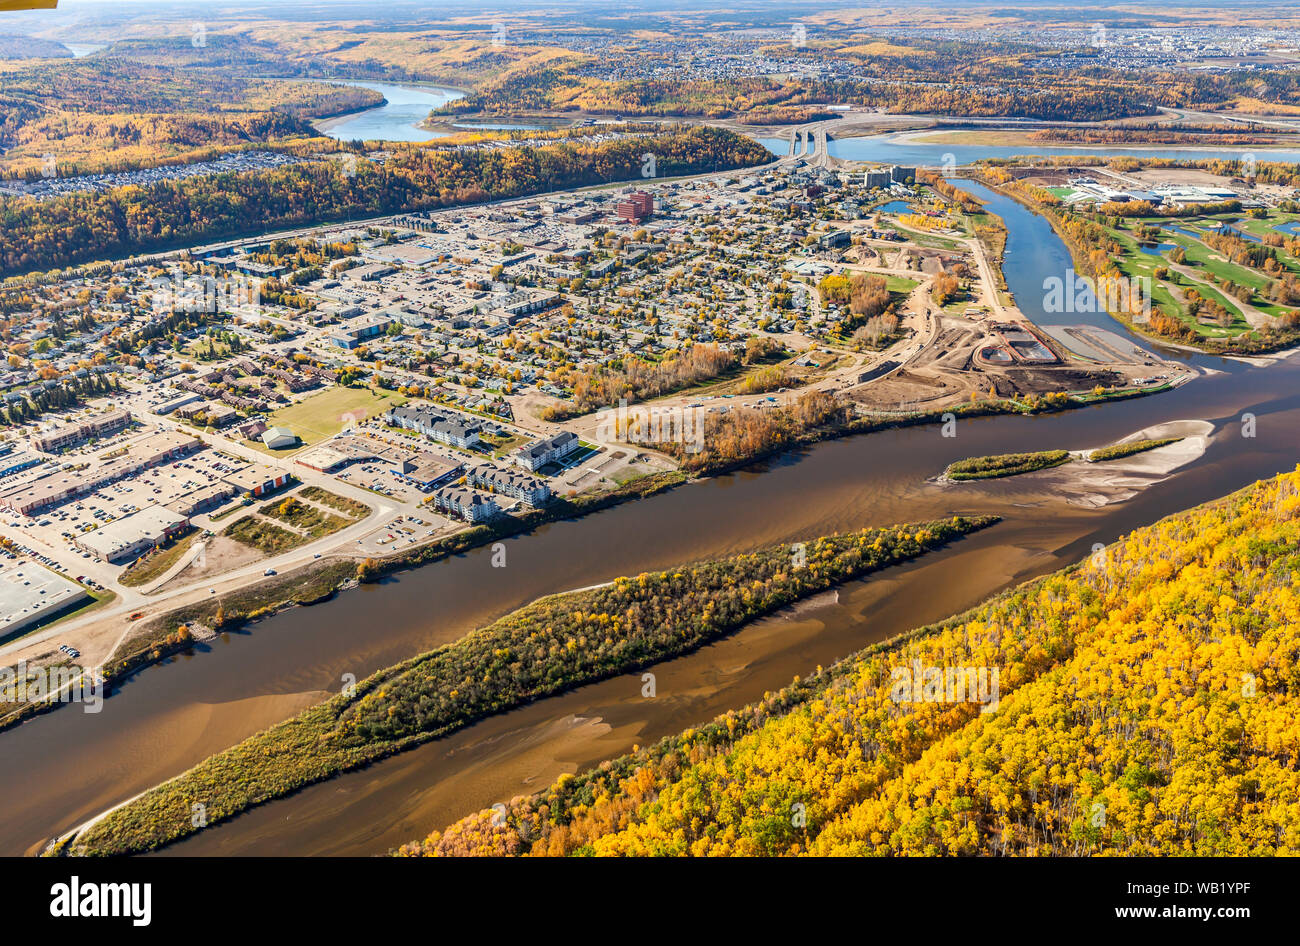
[57, 527]
[404, 530]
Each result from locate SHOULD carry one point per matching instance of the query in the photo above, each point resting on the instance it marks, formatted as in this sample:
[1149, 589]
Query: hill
[1143, 702]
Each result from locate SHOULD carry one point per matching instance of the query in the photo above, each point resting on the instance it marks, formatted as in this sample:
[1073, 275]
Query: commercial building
[128, 538]
[203, 500]
[181, 400]
[635, 207]
[17, 462]
[354, 335]
[337, 454]
[551, 450]
[69, 435]
[29, 594]
[425, 471]
[257, 481]
[62, 485]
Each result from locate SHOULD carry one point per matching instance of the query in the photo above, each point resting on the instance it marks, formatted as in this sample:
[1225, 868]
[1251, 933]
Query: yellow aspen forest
[1146, 703]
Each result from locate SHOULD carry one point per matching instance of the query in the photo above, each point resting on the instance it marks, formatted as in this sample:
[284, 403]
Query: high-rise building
[635, 207]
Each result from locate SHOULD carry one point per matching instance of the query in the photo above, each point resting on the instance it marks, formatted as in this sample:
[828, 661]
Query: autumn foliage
[1148, 705]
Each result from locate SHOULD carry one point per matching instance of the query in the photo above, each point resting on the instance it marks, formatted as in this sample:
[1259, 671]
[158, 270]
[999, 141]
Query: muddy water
[66, 766]
[870, 480]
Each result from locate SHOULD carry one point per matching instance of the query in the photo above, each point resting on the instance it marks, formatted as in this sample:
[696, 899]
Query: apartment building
[439, 427]
[515, 485]
[551, 450]
[466, 503]
[69, 435]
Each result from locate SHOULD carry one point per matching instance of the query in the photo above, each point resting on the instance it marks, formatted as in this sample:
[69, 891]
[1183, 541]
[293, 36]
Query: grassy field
[350, 507]
[155, 563]
[263, 536]
[1209, 265]
[1136, 263]
[324, 414]
[304, 517]
[901, 286]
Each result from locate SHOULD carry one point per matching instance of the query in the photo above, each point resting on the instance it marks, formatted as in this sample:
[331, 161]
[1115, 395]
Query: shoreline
[329, 123]
[159, 637]
[328, 761]
[1273, 355]
[918, 137]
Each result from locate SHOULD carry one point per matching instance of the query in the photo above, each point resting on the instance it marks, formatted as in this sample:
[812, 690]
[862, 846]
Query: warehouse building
[30, 594]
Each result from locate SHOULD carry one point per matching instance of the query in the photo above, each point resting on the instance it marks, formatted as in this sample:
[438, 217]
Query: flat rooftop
[29, 593]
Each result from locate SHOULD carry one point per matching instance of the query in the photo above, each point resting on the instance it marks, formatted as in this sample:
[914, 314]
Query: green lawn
[901, 284]
[1136, 263]
[324, 414]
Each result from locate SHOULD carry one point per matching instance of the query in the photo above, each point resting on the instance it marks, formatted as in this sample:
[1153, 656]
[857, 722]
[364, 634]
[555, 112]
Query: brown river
[66, 766]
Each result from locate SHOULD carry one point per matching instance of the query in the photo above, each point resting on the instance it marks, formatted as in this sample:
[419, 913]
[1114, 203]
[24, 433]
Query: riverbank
[1023, 138]
[875, 750]
[1234, 347]
[546, 648]
[391, 119]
